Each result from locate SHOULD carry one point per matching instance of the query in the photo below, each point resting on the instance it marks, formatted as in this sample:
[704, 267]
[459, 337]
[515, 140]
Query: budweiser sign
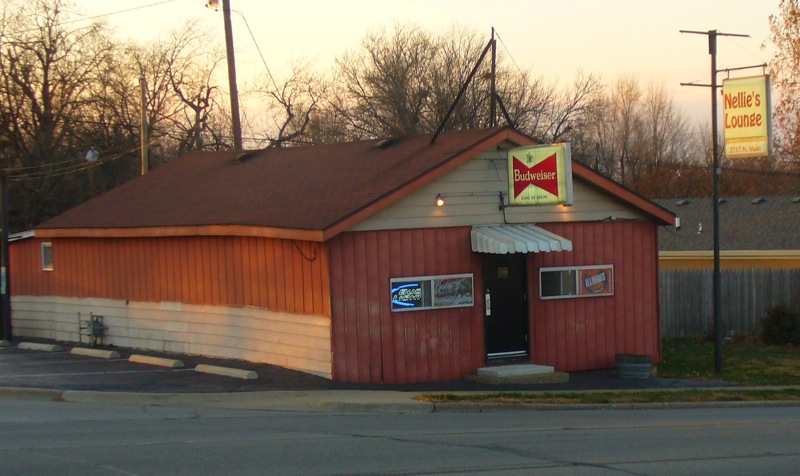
[540, 175]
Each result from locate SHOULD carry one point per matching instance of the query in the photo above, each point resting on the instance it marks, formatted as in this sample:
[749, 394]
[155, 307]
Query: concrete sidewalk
[344, 401]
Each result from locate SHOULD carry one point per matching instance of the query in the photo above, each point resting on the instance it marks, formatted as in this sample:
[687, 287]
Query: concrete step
[518, 374]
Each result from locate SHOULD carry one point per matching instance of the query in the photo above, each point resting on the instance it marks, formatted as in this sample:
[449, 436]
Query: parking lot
[67, 371]
[64, 370]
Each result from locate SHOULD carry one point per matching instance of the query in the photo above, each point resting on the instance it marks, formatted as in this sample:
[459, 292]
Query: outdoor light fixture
[441, 196]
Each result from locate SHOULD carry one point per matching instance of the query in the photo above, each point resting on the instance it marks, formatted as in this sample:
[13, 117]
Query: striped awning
[502, 239]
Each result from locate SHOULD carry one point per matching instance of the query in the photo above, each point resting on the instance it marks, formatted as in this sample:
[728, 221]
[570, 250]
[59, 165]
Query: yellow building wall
[758, 259]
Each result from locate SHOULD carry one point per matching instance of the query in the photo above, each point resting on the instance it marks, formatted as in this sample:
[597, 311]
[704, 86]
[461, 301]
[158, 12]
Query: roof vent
[681, 203]
[758, 201]
[245, 156]
[795, 199]
[384, 143]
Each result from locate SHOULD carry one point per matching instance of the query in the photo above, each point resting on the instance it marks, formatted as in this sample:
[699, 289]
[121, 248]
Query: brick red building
[336, 260]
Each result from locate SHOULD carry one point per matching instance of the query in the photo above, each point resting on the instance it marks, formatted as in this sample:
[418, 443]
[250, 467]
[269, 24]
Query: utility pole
[143, 126]
[5, 281]
[717, 281]
[235, 123]
[5, 294]
[493, 92]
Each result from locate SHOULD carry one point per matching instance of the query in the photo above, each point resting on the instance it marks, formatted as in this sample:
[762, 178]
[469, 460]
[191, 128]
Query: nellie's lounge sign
[747, 117]
[540, 175]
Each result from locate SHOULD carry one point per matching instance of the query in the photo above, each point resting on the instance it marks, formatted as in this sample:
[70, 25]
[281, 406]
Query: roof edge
[175, 231]
[663, 215]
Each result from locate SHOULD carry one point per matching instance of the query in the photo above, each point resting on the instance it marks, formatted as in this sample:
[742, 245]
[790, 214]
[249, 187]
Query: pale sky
[610, 38]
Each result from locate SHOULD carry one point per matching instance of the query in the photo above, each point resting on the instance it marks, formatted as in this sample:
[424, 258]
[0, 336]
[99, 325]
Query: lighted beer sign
[431, 292]
[409, 295]
[747, 117]
[540, 175]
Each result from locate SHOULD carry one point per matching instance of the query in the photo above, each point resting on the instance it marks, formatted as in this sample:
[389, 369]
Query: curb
[130, 398]
[100, 353]
[41, 347]
[364, 407]
[42, 394]
[272, 402]
[555, 407]
[227, 372]
[158, 361]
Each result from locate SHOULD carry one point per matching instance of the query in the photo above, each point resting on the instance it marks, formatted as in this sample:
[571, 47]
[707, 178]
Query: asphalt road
[100, 439]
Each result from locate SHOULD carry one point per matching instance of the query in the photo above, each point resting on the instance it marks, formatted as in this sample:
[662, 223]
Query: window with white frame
[47, 256]
[556, 283]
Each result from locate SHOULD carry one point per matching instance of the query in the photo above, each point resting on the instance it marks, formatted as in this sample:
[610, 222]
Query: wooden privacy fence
[686, 299]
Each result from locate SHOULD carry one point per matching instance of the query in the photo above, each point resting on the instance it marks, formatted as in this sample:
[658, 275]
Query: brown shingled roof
[311, 188]
[310, 193]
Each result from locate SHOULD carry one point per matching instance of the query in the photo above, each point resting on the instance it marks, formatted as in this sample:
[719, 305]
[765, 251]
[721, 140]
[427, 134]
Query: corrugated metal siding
[372, 344]
[283, 275]
[296, 341]
[587, 333]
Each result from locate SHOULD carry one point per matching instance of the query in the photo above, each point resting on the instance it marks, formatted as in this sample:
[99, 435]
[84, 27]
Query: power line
[94, 17]
[42, 166]
[142, 7]
[743, 47]
[18, 177]
[508, 51]
[258, 48]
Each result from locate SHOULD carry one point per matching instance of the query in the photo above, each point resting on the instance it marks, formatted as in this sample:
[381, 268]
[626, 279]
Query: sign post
[716, 170]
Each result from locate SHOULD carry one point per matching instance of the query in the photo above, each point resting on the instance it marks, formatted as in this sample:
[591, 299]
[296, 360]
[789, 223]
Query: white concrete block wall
[296, 341]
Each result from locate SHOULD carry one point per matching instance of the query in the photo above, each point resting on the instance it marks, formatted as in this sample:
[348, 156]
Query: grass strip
[658, 396]
[745, 362]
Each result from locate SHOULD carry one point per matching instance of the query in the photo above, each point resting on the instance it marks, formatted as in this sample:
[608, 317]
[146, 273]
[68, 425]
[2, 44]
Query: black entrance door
[506, 318]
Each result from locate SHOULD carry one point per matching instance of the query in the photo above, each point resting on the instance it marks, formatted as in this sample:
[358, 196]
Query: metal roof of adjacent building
[746, 223]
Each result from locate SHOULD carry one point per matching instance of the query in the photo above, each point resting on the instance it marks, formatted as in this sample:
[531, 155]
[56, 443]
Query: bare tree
[624, 115]
[406, 80]
[45, 76]
[571, 108]
[290, 107]
[642, 139]
[386, 82]
[181, 95]
[666, 138]
[69, 89]
[785, 68]
[456, 54]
